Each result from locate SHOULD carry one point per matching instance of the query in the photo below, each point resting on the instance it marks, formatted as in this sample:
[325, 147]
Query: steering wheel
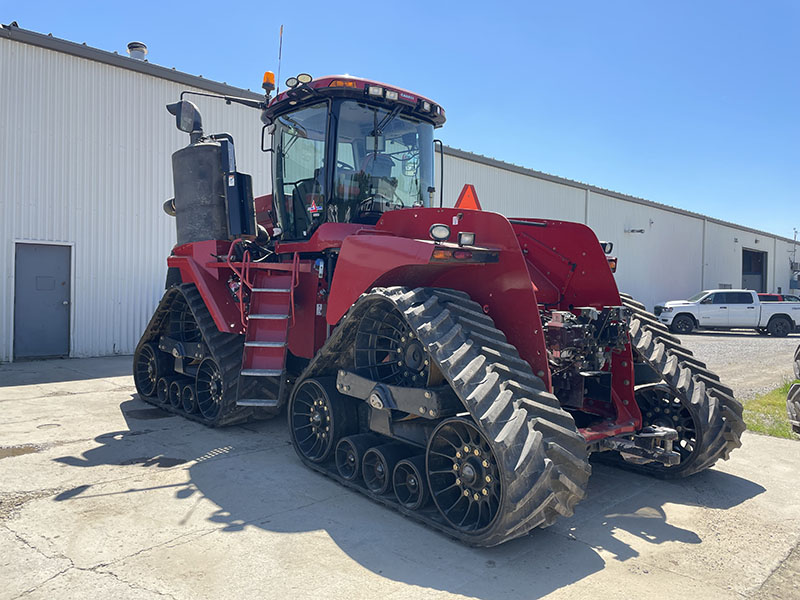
[344, 166]
[367, 205]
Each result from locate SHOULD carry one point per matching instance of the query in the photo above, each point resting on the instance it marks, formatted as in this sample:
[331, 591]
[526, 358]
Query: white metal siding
[675, 257]
[85, 149]
[658, 264]
[512, 194]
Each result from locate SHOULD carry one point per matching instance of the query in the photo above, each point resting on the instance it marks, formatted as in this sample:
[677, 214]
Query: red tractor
[455, 365]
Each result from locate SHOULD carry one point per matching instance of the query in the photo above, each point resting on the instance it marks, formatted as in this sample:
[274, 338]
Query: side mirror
[187, 118]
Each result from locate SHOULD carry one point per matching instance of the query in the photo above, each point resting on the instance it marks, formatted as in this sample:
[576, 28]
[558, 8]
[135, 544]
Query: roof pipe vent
[137, 50]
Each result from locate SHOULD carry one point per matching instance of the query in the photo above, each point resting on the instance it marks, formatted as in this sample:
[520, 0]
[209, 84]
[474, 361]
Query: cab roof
[358, 88]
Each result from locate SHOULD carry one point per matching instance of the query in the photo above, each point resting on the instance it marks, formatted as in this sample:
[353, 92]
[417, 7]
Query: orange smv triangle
[468, 198]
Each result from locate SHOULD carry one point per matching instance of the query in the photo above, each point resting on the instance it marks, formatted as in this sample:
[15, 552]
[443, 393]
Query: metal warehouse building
[85, 152]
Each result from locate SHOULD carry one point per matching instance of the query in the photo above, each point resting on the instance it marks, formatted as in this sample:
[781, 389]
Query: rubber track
[225, 348]
[793, 407]
[541, 453]
[720, 424]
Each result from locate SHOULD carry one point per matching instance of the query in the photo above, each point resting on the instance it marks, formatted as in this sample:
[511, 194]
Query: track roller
[162, 390]
[410, 483]
[188, 399]
[378, 465]
[350, 453]
[176, 392]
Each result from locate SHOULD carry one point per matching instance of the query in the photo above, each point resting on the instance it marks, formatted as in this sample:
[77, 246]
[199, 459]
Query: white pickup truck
[729, 309]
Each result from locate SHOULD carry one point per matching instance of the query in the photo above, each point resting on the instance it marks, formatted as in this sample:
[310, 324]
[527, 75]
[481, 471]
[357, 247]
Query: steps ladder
[263, 371]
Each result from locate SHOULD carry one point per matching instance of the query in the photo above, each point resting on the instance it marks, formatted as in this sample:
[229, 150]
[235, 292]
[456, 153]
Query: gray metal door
[41, 301]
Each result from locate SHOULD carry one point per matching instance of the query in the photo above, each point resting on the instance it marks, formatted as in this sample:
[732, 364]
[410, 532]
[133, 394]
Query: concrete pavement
[102, 495]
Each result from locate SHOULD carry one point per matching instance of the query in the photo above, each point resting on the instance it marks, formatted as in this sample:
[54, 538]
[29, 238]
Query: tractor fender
[397, 252]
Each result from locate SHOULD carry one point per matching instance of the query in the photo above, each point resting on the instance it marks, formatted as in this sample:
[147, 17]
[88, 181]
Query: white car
[728, 309]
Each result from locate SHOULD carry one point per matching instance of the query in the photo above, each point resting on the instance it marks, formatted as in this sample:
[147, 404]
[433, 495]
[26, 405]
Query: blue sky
[692, 104]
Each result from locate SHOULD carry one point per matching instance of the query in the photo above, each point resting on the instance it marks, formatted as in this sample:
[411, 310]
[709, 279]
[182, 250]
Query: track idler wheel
[209, 389]
[188, 399]
[148, 366]
[350, 453]
[319, 416]
[463, 475]
[389, 351]
[410, 484]
[378, 465]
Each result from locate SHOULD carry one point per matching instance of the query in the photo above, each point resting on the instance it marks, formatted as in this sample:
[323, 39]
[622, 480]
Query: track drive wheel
[148, 366]
[209, 389]
[319, 416]
[464, 475]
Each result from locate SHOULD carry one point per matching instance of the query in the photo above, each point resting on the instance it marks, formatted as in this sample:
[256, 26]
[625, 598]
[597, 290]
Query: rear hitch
[650, 444]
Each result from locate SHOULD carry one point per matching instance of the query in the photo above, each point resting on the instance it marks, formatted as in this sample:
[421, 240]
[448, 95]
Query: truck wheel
[682, 324]
[779, 327]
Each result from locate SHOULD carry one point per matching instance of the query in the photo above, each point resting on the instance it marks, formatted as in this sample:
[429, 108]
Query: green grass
[767, 413]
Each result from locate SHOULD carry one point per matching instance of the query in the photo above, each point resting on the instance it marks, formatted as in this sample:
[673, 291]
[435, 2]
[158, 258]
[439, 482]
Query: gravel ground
[749, 363]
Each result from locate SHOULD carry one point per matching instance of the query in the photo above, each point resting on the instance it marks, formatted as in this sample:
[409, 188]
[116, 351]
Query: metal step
[268, 403]
[265, 344]
[261, 372]
[272, 317]
[276, 290]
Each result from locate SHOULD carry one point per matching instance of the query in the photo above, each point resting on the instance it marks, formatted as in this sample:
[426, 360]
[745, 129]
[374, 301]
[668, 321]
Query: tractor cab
[347, 150]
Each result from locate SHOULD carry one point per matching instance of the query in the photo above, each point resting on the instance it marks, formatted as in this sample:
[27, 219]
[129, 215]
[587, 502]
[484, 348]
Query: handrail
[295, 281]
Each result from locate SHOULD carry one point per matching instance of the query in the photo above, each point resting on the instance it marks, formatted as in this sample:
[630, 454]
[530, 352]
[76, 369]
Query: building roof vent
[137, 50]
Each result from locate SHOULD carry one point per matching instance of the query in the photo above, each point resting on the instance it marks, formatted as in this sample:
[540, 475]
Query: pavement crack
[40, 584]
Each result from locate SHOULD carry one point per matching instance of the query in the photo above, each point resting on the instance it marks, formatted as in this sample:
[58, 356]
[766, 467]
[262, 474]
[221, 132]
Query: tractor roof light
[342, 83]
[304, 78]
[391, 95]
[269, 81]
[375, 90]
[439, 232]
[426, 106]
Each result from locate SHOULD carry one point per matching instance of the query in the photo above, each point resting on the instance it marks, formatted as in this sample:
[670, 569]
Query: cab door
[713, 310]
[742, 310]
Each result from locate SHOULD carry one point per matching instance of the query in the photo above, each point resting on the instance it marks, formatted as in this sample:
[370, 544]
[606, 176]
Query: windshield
[384, 161]
[697, 297]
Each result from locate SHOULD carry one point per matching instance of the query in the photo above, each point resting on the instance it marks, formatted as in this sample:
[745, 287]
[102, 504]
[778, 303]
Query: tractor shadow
[63, 370]
[255, 481]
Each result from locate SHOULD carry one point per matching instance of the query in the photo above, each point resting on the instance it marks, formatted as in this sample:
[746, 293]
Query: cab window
[299, 169]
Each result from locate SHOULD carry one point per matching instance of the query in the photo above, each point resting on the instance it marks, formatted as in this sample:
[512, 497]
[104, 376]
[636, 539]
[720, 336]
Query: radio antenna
[280, 52]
